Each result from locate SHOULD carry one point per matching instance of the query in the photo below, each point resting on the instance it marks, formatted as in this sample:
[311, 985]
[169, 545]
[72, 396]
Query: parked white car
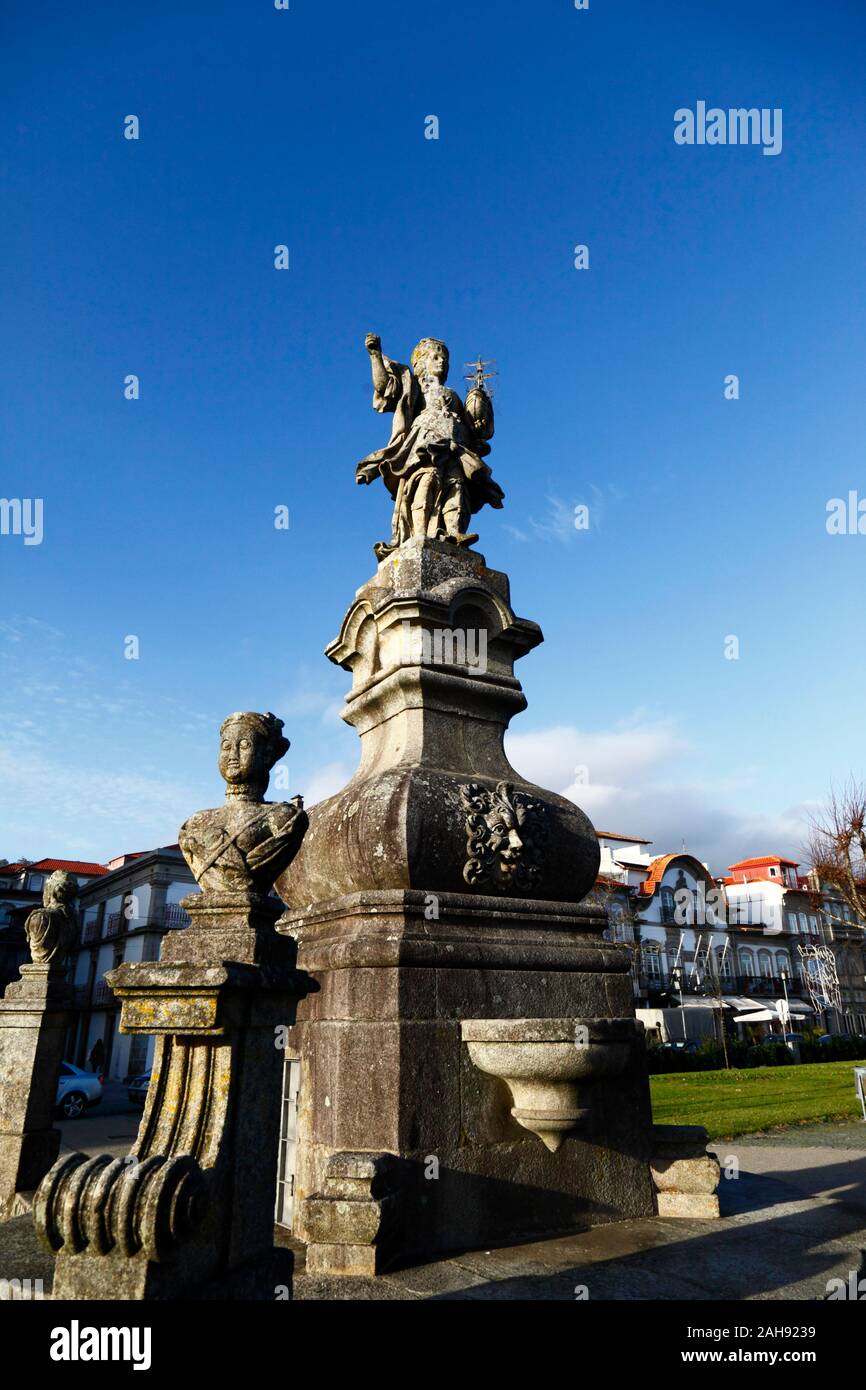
[77, 1090]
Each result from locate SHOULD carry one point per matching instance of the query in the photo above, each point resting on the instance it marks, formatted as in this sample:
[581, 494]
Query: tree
[837, 851]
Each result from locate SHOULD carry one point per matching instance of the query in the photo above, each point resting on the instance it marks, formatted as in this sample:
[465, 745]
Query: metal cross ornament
[477, 374]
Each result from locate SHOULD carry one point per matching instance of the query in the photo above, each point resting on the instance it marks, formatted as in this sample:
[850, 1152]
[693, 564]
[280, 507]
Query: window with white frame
[652, 964]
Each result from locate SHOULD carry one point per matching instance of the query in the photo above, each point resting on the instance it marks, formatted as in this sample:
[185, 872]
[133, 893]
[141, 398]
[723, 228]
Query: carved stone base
[440, 887]
[384, 1069]
[34, 1017]
[350, 1223]
[685, 1176]
[191, 1208]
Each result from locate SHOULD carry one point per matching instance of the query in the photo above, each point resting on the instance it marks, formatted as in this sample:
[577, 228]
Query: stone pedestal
[684, 1175]
[34, 1017]
[387, 1069]
[438, 888]
[189, 1213]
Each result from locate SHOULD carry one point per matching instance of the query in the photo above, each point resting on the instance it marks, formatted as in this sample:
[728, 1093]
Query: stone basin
[546, 1062]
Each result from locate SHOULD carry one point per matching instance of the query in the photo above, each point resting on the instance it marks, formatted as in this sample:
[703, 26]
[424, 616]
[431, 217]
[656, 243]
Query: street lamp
[787, 1018]
[677, 982]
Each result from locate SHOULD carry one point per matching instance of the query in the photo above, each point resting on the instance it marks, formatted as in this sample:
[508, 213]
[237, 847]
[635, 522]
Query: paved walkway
[794, 1217]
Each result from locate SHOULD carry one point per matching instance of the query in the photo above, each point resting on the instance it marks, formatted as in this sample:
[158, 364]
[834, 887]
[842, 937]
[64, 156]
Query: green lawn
[755, 1098]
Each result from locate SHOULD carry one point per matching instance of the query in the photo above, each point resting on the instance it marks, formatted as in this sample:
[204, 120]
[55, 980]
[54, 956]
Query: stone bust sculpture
[52, 929]
[432, 465]
[243, 845]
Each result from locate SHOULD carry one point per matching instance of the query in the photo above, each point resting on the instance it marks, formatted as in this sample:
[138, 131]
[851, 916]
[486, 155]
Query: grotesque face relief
[505, 836]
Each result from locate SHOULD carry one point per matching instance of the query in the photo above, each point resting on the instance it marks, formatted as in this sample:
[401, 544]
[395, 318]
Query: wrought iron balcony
[103, 997]
[175, 916]
[701, 982]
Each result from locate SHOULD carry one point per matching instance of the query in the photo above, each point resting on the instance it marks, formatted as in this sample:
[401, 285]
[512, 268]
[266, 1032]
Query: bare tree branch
[836, 849]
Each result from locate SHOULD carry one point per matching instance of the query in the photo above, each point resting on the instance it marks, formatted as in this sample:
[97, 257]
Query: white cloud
[640, 780]
[558, 522]
[327, 781]
[46, 804]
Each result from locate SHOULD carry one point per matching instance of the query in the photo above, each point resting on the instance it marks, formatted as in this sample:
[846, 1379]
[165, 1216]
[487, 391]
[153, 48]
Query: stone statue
[189, 1213]
[242, 846]
[53, 928]
[432, 465]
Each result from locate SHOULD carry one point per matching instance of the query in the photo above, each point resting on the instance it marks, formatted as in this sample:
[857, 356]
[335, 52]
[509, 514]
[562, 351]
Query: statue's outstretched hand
[373, 343]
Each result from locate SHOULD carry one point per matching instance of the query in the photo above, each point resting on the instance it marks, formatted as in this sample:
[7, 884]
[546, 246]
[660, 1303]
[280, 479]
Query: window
[765, 964]
[35, 882]
[747, 963]
[667, 904]
[792, 922]
[652, 964]
[618, 926]
[774, 873]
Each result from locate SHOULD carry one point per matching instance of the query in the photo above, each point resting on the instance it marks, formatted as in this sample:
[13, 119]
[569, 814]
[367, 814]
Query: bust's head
[430, 358]
[250, 744]
[59, 889]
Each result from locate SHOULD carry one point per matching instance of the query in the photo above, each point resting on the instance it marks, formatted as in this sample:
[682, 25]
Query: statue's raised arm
[387, 376]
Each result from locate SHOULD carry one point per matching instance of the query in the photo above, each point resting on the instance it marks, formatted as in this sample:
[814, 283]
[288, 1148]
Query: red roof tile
[656, 871]
[762, 859]
[71, 866]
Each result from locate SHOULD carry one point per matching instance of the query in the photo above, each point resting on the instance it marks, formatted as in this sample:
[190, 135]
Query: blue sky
[306, 127]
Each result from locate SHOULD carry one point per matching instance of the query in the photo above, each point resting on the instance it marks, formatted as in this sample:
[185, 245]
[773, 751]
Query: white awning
[763, 1014]
[742, 1002]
